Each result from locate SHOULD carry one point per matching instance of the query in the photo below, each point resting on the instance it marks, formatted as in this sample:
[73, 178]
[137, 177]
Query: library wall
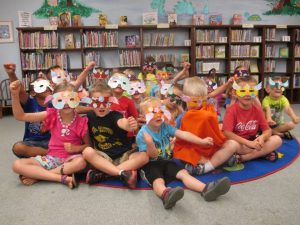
[253, 12]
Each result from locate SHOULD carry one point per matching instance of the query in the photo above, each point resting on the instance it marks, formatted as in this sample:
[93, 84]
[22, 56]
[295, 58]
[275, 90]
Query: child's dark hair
[246, 79]
[101, 87]
[64, 86]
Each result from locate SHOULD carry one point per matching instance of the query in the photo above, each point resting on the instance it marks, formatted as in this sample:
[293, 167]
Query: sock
[120, 172]
[208, 167]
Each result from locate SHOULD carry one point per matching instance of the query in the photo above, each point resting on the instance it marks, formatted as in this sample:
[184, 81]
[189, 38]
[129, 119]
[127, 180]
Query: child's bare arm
[187, 136]
[269, 115]
[128, 124]
[10, 69]
[18, 110]
[82, 76]
[221, 89]
[151, 149]
[289, 110]
[78, 148]
[241, 140]
[184, 73]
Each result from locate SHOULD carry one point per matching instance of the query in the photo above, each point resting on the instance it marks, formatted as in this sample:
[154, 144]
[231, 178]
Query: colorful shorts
[49, 162]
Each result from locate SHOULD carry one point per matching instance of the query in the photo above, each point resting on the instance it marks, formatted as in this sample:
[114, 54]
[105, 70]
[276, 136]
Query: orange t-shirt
[203, 123]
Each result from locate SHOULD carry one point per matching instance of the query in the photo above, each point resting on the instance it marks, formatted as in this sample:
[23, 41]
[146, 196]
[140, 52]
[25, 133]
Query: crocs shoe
[214, 189]
[171, 196]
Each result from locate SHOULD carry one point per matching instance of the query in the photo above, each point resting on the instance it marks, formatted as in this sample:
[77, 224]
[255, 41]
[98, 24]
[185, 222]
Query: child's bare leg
[285, 127]
[221, 156]
[100, 163]
[159, 186]
[30, 168]
[136, 160]
[22, 150]
[73, 166]
[189, 181]
[269, 146]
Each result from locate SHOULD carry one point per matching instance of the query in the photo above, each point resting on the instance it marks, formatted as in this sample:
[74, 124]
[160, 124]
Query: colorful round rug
[245, 172]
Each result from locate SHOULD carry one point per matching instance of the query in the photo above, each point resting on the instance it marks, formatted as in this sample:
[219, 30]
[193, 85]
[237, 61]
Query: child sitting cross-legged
[275, 104]
[154, 139]
[244, 122]
[68, 138]
[111, 154]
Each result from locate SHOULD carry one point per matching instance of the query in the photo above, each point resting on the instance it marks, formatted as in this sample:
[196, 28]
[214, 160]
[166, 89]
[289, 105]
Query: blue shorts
[49, 162]
[41, 143]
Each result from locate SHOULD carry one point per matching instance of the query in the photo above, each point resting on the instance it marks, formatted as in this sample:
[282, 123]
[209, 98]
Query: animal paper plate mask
[157, 112]
[246, 90]
[117, 80]
[149, 64]
[100, 74]
[194, 101]
[137, 87]
[165, 88]
[40, 86]
[59, 99]
[241, 73]
[278, 84]
[59, 76]
[97, 102]
[211, 86]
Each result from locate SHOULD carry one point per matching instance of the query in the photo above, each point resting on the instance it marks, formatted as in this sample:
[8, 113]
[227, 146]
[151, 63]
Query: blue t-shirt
[178, 120]
[160, 139]
[154, 90]
[32, 130]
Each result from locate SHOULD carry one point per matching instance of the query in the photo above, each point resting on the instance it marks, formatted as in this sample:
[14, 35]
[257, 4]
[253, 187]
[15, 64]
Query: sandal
[271, 155]
[64, 180]
[287, 135]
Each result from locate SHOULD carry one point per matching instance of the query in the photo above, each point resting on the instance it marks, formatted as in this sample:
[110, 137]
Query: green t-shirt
[277, 107]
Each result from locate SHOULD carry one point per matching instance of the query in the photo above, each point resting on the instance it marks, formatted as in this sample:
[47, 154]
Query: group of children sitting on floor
[155, 123]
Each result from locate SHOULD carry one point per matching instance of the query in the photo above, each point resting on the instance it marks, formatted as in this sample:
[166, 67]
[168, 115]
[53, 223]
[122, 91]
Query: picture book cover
[215, 19]
[198, 19]
[172, 18]
[64, 19]
[254, 51]
[69, 41]
[185, 57]
[220, 51]
[150, 18]
[253, 67]
[284, 52]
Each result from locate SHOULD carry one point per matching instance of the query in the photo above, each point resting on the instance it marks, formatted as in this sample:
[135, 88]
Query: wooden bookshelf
[235, 46]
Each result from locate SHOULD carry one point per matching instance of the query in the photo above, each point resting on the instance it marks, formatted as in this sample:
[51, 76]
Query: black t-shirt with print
[106, 135]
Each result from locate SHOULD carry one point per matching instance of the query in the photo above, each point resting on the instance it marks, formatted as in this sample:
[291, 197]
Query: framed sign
[6, 31]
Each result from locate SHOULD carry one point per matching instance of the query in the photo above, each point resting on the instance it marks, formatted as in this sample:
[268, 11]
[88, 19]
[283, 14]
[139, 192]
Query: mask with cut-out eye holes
[165, 88]
[278, 84]
[194, 101]
[59, 99]
[59, 76]
[149, 64]
[247, 90]
[100, 74]
[122, 81]
[157, 112]
[41, 86]
[137, 87]
[105, 102]
[241, 73]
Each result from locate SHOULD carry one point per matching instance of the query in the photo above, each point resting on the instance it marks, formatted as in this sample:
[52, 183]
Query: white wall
[133, 9]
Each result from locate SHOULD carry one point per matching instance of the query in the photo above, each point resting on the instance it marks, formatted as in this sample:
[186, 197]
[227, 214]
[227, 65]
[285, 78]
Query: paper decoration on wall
[253, 17]
[283, 7]
[160, 6]
[184, 8]
[55, 8]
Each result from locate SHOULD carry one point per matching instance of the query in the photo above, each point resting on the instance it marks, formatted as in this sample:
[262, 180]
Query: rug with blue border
[244, 172]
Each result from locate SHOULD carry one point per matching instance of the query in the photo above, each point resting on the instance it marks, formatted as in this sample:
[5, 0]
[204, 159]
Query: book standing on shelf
[150, 18]
[69, 41]
[215, 19]
[172, 18]
[65, 19]
[132, 41]
[198, 19]
[253, 67]
[284, 52]
[185, 57]
[220, 51]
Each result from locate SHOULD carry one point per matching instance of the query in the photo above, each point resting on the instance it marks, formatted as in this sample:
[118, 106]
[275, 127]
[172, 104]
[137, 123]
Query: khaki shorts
[119, 160]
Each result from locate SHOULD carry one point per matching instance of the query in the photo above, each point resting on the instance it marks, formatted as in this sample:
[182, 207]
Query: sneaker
[195, 170]
[94, 176]
[214, 189]
[232, 161]
[129, 178]
[171, 196]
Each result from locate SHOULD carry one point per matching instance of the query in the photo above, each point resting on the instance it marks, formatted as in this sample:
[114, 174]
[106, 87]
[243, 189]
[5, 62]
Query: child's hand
[132, 124]
[230, 80]
[260, 141]
[10, 68]
[141, 121]
[186, 65]
[208, 141]
[68, 147]
[91, 65]
[271, 122]
[254, 145]
[15, 87]
[296, 120]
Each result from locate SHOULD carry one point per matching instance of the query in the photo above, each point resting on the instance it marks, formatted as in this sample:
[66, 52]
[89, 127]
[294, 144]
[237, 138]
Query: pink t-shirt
[78, 129]
[244, 123]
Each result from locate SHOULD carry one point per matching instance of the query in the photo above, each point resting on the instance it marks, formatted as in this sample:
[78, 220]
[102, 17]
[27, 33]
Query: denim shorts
[41, 143]
[49, 162]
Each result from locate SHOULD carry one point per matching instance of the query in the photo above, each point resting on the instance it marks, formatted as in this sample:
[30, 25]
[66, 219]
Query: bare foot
[27, 181]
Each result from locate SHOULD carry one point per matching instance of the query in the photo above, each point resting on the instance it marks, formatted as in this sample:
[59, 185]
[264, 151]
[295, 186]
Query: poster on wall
[24, 19]
[6, 31]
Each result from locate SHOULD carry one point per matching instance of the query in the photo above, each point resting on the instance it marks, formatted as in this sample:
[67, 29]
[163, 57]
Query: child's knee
[275, 140]
[290, 125]
[16, 166]
[232, 146]
[80, 163]
[88, 152]
[142, 156]
[18, 149]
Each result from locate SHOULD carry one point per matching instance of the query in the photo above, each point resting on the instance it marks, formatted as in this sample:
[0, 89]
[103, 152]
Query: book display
[266, 50]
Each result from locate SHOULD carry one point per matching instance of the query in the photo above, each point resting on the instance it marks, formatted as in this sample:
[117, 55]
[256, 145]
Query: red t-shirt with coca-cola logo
[244, 122]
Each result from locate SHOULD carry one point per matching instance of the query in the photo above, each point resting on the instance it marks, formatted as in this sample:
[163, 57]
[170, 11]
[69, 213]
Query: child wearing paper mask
[148, 74]
[275, 104]
[111, 152]
[68, 138]
[154, 139]
[201, 120]
[35, 139]
[244, 120]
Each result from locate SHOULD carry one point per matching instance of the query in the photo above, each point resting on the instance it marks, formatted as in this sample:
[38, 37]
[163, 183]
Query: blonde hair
[64, 86]
[195, 86]
[100, 87]
[149, 102]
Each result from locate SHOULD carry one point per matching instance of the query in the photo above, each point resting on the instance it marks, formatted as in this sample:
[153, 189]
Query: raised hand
[10, 68]
[15, 87]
